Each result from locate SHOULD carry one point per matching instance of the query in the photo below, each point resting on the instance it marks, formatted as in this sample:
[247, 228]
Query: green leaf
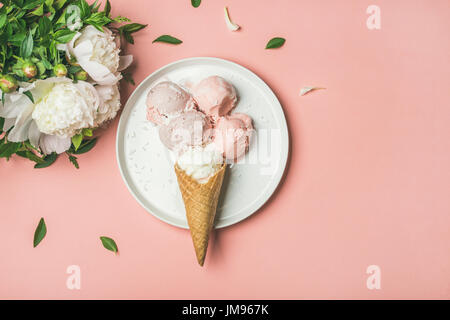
[41, 67]
[48, 161]
[45, 26]
[128, 37]
[58, 4]
[47, 64]
[2, 122]
[120, 19]
[17, 38]
[27, 46]
[275, 43]
[167, 39]
[3, 18]
[98, 19]
[128, 78]
[85, 9]
[75, 69]
[8, 149]
[30, 155]
[87, 132]
[196, 3]
[64, 35]
[107, 9]
[132, 27]
[74, 161]
[29, 95]
[39, 10]
[40, 233]
[32, 4]
[76, 140]
[109, 244]
[86, 146]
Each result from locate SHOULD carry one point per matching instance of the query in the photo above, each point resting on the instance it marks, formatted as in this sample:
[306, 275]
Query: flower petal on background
[125, 62]
[20, 131]
[50, 143]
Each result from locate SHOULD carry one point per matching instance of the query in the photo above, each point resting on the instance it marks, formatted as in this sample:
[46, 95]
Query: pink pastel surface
[368, 179]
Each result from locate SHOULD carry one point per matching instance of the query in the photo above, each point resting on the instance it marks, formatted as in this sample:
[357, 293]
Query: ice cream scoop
[201, 162]
[190, 128]
[215, 96]
[166, 100]
[232, 135]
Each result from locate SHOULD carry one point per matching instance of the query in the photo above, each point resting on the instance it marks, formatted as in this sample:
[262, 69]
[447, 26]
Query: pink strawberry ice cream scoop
[165, 100]
[215, 96]
[191, 128]
[232, 135]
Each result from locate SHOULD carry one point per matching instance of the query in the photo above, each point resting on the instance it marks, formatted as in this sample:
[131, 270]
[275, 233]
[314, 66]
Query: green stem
[18, 58]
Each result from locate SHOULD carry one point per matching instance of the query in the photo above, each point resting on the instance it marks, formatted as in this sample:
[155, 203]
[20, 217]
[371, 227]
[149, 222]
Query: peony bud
[29, 69]
[60, 70]
[81, 75]
[8, 83]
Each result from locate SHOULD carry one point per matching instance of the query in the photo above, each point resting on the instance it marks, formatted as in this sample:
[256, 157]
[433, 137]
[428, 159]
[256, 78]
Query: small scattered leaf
[167, 39]
[109, 244]
[230, 24]
[305, 90]
[275, 43]
[196, 3]
[40, 232]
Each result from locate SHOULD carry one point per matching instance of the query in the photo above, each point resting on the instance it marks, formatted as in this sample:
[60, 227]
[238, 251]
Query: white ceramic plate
[146, 165]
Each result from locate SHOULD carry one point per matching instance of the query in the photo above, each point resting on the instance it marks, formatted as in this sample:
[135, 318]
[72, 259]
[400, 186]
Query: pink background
[367, 181]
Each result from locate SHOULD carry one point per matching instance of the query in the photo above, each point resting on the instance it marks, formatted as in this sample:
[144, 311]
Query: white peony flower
[66, 109]
[60, 110]
[98, 54]
[109, 103]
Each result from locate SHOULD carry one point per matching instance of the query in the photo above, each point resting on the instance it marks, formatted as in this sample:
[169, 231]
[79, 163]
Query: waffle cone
[200, 201]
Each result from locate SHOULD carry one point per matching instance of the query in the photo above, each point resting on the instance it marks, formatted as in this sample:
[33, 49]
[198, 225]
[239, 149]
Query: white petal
[50, 143]
[34, 134]
[14, 105]
[230, 24]
[125, 62]
[20, 131]
[8, 124]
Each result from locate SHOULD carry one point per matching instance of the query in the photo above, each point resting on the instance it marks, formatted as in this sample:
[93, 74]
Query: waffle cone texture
[200, 202]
